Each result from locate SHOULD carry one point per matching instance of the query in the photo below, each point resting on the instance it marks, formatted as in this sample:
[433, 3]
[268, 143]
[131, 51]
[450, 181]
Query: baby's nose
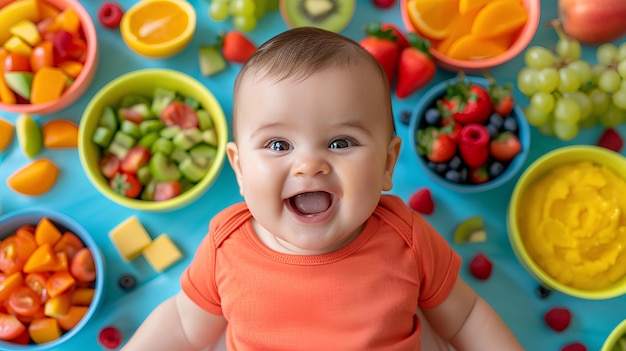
[310, 165]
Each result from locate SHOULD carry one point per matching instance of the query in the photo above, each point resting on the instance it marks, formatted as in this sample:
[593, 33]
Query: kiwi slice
[471, 230]
[332, 15]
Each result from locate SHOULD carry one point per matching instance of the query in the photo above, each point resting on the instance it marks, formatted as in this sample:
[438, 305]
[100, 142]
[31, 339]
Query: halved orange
[432, 18]
[471, 47]
[500, 17]
[158, 28]
[470, 5]
[460, 25]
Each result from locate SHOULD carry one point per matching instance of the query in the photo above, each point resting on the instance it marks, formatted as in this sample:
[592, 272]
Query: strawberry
[435, 144]
[401, 40]
[480, 266]
[422, 201]
[558, 318]
[474, 144]
[479, 175]
[575, 346]
[502, 98]
[469, 103]
[505, 146]
[415, 67]
[611, 139]
[383, 4]
[236, 47]
[382, 45]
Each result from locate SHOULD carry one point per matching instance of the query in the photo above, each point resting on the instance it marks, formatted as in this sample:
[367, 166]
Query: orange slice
[471, 47]
[460, 25]
[466, 6]
[432, 17]
[500, 17]
[35, 178]
[158, 28]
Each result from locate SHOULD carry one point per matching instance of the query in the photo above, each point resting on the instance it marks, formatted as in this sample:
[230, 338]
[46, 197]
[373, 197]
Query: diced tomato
[69, 243]
[37, 283]
[109, 165]
[135, 158]
[78, 50]
[59, 282]
[24, 301]
[63, 42]
[180, 114]
[83, 267]
[42, 56]
[22, 339]
[126, 184]
[10, 327]
[25, 229]
[16, 62]
[130, 114]
[167, 190]
[14, 252]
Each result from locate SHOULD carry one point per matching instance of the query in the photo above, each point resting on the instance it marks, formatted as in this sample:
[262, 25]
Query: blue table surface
[511, 290]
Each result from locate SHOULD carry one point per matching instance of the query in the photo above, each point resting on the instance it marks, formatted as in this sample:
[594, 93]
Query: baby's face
[313, 156]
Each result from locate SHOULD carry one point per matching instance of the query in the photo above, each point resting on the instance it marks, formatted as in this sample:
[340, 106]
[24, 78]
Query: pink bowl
[476, 66]
[82, 82]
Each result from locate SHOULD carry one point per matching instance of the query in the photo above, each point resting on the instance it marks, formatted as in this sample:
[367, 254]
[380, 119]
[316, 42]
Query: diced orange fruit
[6, 133]
[470, 47]
[499, 17]
[35, 178]
[60, 133]
[432, 18]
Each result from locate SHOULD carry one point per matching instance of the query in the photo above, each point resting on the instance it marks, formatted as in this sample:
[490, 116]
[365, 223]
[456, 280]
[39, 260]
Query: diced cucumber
[163, 169]
[130, 128]
[170, 132]
[192, 102]
[209, 136]
[151, 125]
[203, 151]
[191, 170]
[163, 146]
[162, 98]
[121, 144]
[144, 175]
[147, 193]
[179, 154]
[148, 139]
[108, 118]
[204, 119]
[187, 138]
[102, 136]
[129, 100]
[211, 60]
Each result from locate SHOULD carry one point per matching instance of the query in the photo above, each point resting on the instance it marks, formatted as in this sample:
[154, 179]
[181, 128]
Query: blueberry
[496, 120]
[432, 117]
[543, 292]
[127, 281]
[493, 131]
[405, 117]
[464, 173]
[455, 163]
[453, 176]
[510, 124]
[495, 169]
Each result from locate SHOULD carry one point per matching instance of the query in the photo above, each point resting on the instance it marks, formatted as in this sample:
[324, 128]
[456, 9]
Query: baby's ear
[393, 152]
[232, 151]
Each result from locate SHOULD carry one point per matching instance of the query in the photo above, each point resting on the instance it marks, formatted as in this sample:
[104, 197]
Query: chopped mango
[82, 296]
[6, 133]
[60, 133]
[17, 45]
[42, 330]
[162, 253]
[130, 238]
[46, 232]
[71, 68]
[41, 260]
[68, 20]
[72, 317]
[15, 12]
[9, 284]
[27, 31]
[48, 85]
[35, 178]
[58, 306]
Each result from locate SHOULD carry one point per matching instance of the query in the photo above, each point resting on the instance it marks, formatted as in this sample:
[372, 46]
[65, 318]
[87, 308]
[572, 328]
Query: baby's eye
[278, 145]
[341, 143]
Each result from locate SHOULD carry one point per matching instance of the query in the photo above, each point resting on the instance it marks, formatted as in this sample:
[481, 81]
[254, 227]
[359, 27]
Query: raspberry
[481, 267]
[558, 318]
[110, 338]
[611, 140]
[110, 15]
[575, 346]
[422, 201]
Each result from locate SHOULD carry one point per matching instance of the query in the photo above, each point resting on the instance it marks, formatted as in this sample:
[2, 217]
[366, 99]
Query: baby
[317, 257]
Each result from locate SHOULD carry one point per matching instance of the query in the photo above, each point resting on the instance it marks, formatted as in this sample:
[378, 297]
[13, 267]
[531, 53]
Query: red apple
[593, 21]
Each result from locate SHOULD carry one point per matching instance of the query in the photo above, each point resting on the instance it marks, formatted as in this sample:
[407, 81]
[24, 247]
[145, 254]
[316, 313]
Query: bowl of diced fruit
[616, 341]
[153, 139]
[53, 279]
[468, 134]
[48, 54]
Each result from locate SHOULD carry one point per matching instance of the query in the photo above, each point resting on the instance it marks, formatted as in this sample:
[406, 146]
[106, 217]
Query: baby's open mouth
[311, 203]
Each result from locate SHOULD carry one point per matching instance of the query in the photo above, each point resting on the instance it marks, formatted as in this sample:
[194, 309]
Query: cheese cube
[162, 253]
[130, 238]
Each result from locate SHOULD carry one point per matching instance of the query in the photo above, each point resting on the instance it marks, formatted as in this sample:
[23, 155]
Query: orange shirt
[360, 297]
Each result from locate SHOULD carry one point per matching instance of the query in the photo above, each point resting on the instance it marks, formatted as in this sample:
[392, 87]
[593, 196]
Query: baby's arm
[469, 323]
[177, 324]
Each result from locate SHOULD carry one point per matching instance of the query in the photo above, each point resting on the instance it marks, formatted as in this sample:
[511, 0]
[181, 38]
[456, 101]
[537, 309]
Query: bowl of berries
[468, 134]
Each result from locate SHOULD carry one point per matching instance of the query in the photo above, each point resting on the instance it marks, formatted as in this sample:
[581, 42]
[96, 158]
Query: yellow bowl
[144, 82]
[617, 333]
[541, 166]
[135, 31]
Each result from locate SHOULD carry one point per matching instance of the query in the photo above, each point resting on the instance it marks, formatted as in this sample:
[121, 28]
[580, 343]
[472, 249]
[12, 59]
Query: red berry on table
[575, 346]
[383, 4]
[505, 146]
[110, 15]
[382, 44]
[236, 47]
[611, 139]
[415, 67]
[558, 318]
[480, 266]
[422, 201]
[474, 144]
[110, 338]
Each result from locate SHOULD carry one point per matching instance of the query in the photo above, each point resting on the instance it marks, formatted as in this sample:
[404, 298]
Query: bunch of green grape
[245, 13]
[567, 93]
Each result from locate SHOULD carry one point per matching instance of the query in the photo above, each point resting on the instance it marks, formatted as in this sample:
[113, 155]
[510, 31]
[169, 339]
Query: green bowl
[144, 82]
[544, 164]
[618, 332]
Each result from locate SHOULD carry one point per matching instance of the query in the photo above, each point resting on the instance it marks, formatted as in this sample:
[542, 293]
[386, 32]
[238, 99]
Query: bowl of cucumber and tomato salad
[153, 139]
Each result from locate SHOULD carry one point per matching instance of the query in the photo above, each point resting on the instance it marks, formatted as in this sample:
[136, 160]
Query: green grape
[588, 122]
[609, 81]
[584, 102]
[547, 79]
[243, 8]
[583, 69]
[607, 54]
[526, 80]
[565, 130]
[621, 68]
[566, 110]
[219, 10]
[536, 118]
[596, 71]
[599, 101]
[546, 129]
[542, 102]
[538, 57]
[569, 81]
[244, 23]
[621, 52]
[568, 48]
[260, 8]
[619, 99]
[612, 116]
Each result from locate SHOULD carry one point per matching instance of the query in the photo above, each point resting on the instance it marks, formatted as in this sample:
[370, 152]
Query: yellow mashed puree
[573, 223]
